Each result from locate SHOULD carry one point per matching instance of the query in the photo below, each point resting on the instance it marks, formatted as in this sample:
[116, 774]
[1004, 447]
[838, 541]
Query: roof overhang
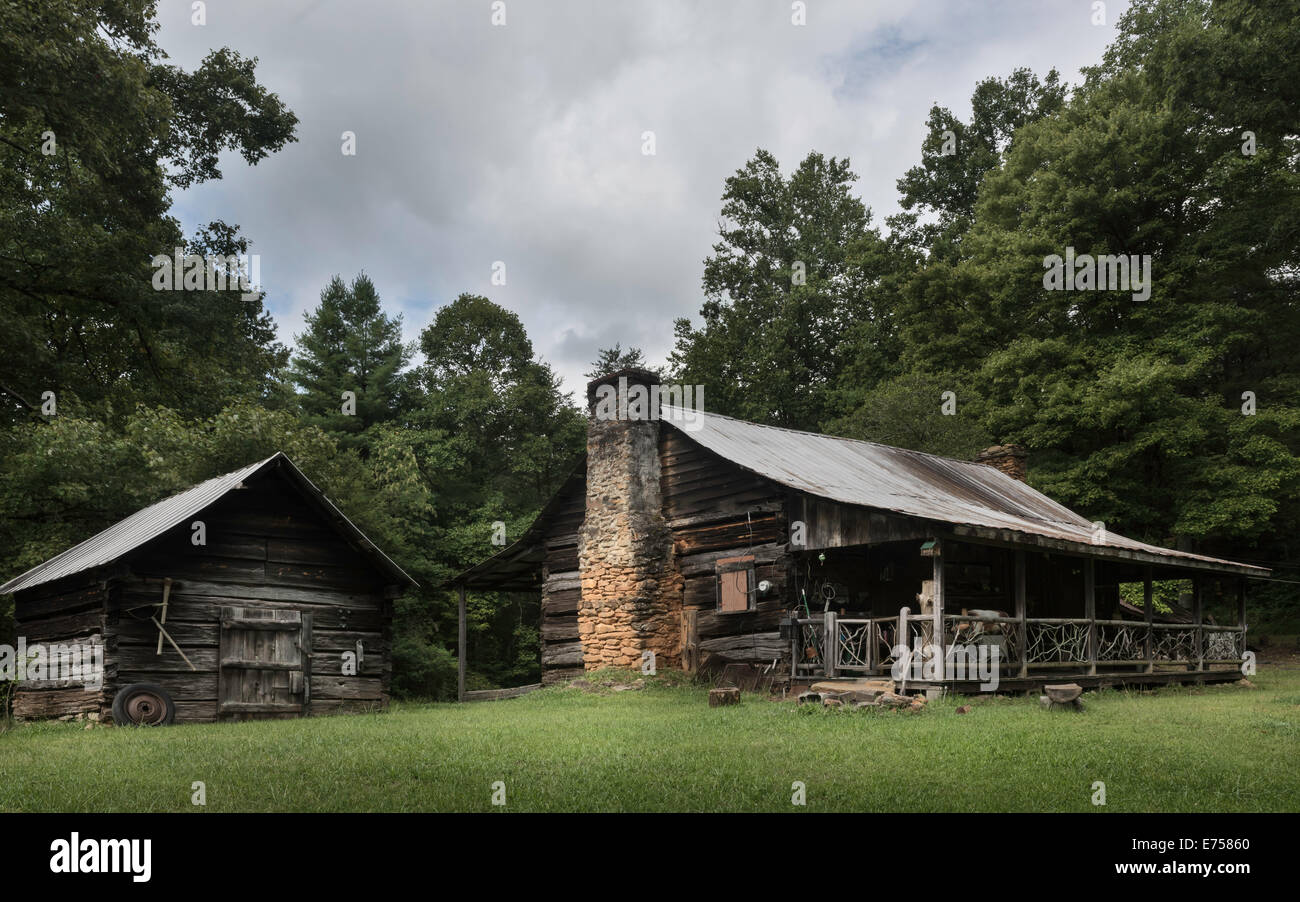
[142, 527]
[970, 499]
[518, 566]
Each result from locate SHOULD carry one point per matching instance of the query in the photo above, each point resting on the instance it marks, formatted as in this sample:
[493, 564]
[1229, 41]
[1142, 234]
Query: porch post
[904, 638]
[830, 645]
[1022, 629]
[796, 639]
[1241, 614]
[1198, 607]
[1090, 611]
[1149, 611]
[938, 609]
[460, 649]
[871, 647]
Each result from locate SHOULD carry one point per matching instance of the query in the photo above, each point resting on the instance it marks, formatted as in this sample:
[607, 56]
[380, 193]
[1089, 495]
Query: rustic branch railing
[830, 645]
[806, 650]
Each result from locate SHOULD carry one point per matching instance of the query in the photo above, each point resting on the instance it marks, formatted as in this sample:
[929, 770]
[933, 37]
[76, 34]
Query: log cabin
[700, 540]
[247, 596]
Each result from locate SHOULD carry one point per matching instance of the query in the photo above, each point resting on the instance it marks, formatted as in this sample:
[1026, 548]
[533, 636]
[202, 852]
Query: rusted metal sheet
[907, 482]
[141, 527]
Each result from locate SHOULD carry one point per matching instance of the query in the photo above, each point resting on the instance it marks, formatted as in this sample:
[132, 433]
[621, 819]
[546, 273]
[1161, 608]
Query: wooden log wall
[717, 510]
[64, 612]
[561, 589]
[265, 547]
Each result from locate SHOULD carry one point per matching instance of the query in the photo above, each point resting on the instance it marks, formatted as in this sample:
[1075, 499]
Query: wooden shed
[247, 596]
[700, 538]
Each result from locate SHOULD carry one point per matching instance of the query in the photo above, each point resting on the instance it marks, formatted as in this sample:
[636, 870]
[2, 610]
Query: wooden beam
[904, 639]
[1149, 610]
[690, 639]
[173, 643]
[460, 648]
[1241, 612]
[1198, 616]
[1022, 629]
[487, 695]
[796, 638]
[162, 616]
[938, 607]
[830, 645]
[1090, 611]
[1007, 538]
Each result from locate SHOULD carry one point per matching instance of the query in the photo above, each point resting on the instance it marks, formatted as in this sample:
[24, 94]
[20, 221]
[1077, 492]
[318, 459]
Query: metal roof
[129, 534]
[906, 482]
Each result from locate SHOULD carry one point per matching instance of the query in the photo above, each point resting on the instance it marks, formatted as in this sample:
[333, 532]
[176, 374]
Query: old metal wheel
[143, 705]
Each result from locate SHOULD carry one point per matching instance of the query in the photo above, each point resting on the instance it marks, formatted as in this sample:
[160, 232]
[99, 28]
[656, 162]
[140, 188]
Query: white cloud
[523, 143]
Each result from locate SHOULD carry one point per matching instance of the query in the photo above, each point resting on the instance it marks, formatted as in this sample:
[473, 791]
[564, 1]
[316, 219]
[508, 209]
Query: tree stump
[720, 697]
[1064, 694]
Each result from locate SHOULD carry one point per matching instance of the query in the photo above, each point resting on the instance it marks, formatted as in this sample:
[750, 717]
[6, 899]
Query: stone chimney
[631, 598]
[1010, 459]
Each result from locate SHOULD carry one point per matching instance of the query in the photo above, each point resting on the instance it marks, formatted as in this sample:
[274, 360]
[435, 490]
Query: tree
[792, 273]
[611, 360]
[915, 411]
[1134, 408]
[494, 437]
[350, 346]
[95, 129]
[956, 155]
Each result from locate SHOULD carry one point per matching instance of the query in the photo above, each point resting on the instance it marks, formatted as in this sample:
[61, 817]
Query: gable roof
[907, 482]
[147, 524]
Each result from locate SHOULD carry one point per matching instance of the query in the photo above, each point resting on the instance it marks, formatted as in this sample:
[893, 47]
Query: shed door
[265, 663]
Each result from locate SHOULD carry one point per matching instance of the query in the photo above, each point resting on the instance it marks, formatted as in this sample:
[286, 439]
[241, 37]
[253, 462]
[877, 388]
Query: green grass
[1224, 748]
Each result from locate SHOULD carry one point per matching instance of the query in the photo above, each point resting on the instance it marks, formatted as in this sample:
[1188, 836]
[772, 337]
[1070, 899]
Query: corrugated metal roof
[906, 482]
[127, 535]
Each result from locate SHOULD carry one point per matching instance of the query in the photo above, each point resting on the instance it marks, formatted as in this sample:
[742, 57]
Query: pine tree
[349, 361]
[611, 360]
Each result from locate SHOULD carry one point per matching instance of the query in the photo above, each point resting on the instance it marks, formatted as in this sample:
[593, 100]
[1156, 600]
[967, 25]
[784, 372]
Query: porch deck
[1018, 653]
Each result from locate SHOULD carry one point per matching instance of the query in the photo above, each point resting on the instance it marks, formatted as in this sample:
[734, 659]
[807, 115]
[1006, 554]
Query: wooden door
[265, 664]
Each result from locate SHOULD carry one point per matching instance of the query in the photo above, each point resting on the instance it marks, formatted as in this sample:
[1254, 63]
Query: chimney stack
[631, 597]
[1010, 459]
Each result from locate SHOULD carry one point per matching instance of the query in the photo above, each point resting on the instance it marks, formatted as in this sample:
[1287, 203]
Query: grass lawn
[1225, 748]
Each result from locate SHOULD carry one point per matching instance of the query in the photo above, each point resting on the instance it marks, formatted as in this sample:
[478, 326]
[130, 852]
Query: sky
[523, 143]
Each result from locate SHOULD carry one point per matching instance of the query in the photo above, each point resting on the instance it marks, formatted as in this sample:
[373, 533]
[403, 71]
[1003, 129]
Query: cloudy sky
[522, 143]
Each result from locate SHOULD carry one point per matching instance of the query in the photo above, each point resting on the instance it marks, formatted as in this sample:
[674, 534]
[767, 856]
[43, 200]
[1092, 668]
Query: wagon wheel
[143, 705]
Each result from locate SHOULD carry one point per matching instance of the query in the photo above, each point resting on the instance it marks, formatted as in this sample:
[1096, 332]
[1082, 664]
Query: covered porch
[1033, 611]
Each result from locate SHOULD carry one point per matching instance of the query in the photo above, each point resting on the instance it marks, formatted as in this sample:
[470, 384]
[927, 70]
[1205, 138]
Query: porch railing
[832, 646]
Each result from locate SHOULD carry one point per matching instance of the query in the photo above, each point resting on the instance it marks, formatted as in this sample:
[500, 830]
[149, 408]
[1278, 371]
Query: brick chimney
[631, 598]
[1010, 459]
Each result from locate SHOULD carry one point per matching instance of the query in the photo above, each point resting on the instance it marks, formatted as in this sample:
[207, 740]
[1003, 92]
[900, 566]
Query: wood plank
[180, 686]
[259, 707]
[64, 626]
[330, 687]
[487, 695]
[35, 704]
[143, 658]
[264, 624]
